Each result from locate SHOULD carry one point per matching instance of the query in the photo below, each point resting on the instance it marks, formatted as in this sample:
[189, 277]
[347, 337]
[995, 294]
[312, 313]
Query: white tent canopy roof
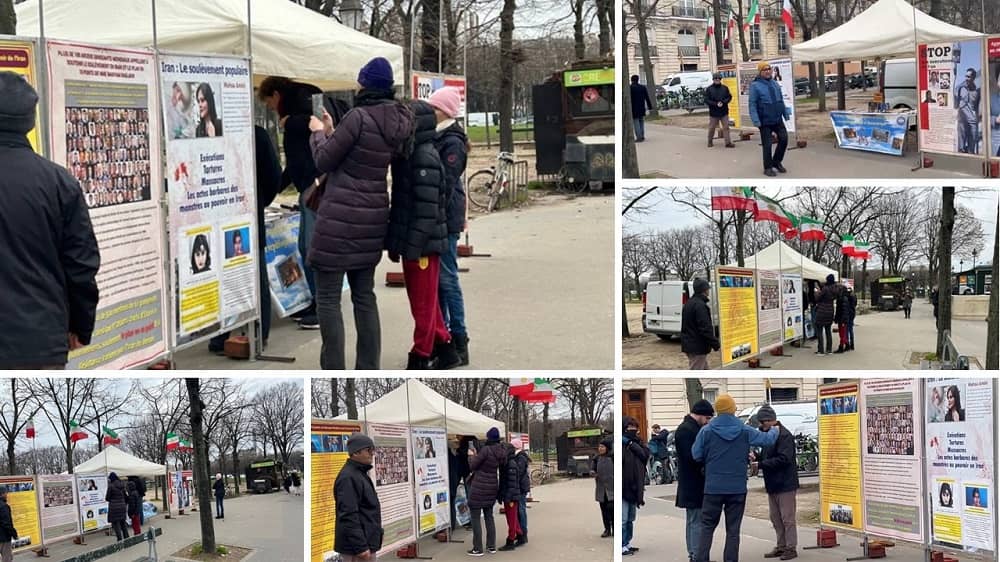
[426, 408]
[113, 459]
[288, 39]
[885, 30]
[790, 261]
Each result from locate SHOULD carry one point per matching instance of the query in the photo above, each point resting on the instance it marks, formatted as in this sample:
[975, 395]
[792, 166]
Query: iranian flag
[75, 433]
[29, 430]
[753, 15]
[520, 386]
[847, 244]
[786, 16]
[542, 393]
[862, 250]
[767, 209]
[729, 26]
[731, 199]
[792, 230]
[812, 229]
[185, 446]
[172, 441]
[111, 436]
[709, 30]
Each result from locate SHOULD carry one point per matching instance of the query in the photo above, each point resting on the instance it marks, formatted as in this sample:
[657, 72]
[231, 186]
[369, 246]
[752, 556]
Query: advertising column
[737, 313]
[993, 81]
[891, 436]
[950, 85]
[23, 502]
[328, 443]
[961, 471]
[791, 305]
[104, 129]
[60, 516]
[93, 508]
[769, 317]
[19, 57]
[430, 464]
[839, 456]
[207, 109]
[392, 483]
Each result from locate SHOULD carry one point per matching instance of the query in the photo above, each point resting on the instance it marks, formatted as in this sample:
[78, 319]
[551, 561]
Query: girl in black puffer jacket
[510, 495]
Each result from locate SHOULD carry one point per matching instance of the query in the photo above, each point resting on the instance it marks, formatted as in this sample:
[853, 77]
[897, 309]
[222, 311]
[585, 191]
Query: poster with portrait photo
[391, 475]
[769, 317]
[193, 109]
[993, 82]
[952, 109]
[60, 516]
[430, 468]
[92, 488]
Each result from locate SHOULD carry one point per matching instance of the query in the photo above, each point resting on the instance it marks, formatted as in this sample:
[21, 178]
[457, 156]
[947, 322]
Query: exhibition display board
[18, 56]
[430, 467]
[180, 490]
[884, 133]
[92, 488]
[328, 454]
[22, 497]
[423, 84]
[961, 462]
[950, 85]
[993, 81]
[104, 129]
[891, 414]
[208, 115]
[60, 516]
[391, 475]
[746, 73]
[791, 306]
[285, 274]
[840, 456]
[769, 316]
[737, 313]
[730, 79]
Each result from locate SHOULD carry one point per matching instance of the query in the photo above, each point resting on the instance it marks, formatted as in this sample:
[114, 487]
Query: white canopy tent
[113, 459]
[885, 30]
[415, 403]
[781, 257]
[288, 39]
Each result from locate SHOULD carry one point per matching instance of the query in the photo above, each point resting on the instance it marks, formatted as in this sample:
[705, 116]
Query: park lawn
[477, 134]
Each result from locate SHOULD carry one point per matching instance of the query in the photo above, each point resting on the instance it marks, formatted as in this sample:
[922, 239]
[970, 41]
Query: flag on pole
[111, 436]
[862, 250]
[753, 15]
[767, 209]
[729, 26]
[731, 199]
[541, 393]
[29, 430]
[172, 441]
[520, 386]
[185, 446]
[847, 244]
[792, 230]
[75, 433]
[710, 29]
[812, 229]
[786, 16]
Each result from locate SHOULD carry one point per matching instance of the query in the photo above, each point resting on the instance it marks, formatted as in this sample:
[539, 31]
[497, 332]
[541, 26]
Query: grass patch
[932, 356]
[196, 551]
[478, 133]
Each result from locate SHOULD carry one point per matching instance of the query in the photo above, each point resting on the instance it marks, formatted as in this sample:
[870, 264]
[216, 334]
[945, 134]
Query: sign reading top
[592, 77]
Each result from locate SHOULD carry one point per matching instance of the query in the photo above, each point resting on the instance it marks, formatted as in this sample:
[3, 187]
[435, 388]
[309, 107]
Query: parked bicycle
[541, 475]
[486, 187]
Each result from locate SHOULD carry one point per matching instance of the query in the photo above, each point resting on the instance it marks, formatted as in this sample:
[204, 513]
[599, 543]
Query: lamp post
[974, 254]
[351, 13]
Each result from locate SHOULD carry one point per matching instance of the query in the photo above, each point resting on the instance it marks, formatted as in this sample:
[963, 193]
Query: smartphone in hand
[317, 106]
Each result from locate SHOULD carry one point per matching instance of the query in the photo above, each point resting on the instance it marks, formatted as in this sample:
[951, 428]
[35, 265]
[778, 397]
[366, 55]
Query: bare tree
[201, 477]
[693, 391]
[642, 10]
[279, 409]
[15, 411]
[630, 157]
[236, 430]
[944, 273]
[166, 406]
[508, 59]
[593, 397]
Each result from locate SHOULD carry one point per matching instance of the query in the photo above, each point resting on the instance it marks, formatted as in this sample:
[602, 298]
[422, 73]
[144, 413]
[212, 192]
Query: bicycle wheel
[538, 477]
[479, 187]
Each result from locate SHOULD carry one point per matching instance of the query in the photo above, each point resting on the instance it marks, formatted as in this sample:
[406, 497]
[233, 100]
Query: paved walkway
[271, 524]
[675, 152]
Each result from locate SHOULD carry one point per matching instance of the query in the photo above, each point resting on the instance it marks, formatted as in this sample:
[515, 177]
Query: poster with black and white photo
[950, 88]
[391, 475]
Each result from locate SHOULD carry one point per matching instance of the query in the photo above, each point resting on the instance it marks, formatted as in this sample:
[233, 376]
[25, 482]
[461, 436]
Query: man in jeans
[690, 474]
[634, 457]
[781, 480]
[724, 447]
[640, 103]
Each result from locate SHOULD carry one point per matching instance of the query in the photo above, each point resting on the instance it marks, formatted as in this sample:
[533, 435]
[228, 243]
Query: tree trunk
[201, 477]
[236, 465]
[351, 398]
[625, 332]
[744, 49]
[944, 266]
[993, 327]
[647, 61]
[507, 76]
[545, 433]
[430, 32]
[604, 19]
[334, 398]
[630, 166]
[693, 390]
[69, 455]
[8, 18]
[740, 226]
[579, 44]
[821, 85]
[11, 459]
[720, 44]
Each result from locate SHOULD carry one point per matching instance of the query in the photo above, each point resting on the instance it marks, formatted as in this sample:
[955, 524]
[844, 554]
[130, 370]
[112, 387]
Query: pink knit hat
[448, 100]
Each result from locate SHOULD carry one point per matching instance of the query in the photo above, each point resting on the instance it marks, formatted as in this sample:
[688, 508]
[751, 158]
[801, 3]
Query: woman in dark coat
[510, 495]
[134, 506]
[484, 490]
[117, 498]
[604, 488]
[825, 314]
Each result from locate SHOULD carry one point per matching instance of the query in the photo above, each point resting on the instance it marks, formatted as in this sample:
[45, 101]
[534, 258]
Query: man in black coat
[48, 252]
[634, 457]
[826, 314]
[7, 531]
[691, 473]
[717, 97]
[697, 330]
[640, 103]
[781, 480]
[358, 529]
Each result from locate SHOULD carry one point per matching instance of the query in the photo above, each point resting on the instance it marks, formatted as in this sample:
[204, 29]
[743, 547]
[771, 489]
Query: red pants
[513, 523]
[136, 527]
[842, 330]
[422, 290]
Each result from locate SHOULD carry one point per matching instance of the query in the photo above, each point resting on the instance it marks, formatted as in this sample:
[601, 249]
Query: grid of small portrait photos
[107, 151]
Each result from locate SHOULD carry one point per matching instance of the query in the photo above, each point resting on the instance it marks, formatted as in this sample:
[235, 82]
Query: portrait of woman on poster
[209, 124]
[238, 244]
[201, 259]
[955, 410]
[429, 450]
[944, 496]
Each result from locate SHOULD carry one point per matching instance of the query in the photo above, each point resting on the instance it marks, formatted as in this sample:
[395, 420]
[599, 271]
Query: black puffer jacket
[7, 530]
[296, 106]
[697, 330]
[134, 499]
[417, 219]
[523, 472]
[825, 304]
[48, 259]
[452, 145]
[359, 513]
[634, 457]
[510, 479]
[117, 498]
[485, 486]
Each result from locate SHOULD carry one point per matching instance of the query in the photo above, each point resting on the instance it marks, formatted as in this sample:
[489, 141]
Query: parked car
[690, 80]
[898, 83]
[798, 417]
[802, 87]
[662, 304]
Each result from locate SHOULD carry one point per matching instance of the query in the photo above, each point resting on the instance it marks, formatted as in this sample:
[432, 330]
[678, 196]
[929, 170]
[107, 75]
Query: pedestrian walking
[717, 97]
[634, 457]
[723, 445]
[7, 531]
[358, 529]
[510, 493]
[140, 490]
[826, 314]
[690, 473]
[287, 484]
[640, 103]
[134, 506]
[220, 495]
[604, 485]
[117, 498]
[935, 297]
[453, 147]
[48, 252]
[418, 236]
[296, 483]
[769, 113]
[353, 213]
[907, 303]
[781, 480]
[524, 474]
[484, 490]
[697, 329]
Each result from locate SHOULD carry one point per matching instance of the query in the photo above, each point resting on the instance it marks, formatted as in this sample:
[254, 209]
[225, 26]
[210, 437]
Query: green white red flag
[542, 393]
[172, 441]
[811, 229]
[75, 432]
[753, 15]
[185, 446]
[786, 16]
[520, 386]
[767, 209]
[730, 25]
[29, 430]
[111, 436]
[847, 244]
[732, 199]
[709, 29]
[862, 250]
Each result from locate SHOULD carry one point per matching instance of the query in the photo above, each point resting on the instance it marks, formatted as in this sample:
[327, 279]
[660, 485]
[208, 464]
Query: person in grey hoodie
[723, 446]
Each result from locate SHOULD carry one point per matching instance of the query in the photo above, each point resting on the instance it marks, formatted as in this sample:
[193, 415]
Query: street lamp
[487, 410]
[351, 13]
[974, 254]
[961, 266]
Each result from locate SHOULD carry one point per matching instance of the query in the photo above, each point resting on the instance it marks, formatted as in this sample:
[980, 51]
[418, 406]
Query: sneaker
[508, 547]
[730, 145]
[633, 548]
[780, 168]
[775, 552]
[491, 549]
[789, 554]
[475, 552]
[309, 322]
[627, 552]
[770, 172]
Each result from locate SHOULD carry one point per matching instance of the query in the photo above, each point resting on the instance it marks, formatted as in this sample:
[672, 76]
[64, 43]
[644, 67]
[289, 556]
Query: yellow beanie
[762, 65]
[725, 405]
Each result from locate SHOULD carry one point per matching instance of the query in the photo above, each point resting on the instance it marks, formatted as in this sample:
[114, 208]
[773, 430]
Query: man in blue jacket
[723, 446]
[769, 113]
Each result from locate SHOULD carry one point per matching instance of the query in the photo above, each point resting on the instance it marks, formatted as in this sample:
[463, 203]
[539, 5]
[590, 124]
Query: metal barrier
[951, 359]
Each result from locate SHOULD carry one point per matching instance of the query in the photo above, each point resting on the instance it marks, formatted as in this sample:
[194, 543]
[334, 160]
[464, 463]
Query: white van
[898, 83]
[690, 80]
[797, 417]
[662, 304]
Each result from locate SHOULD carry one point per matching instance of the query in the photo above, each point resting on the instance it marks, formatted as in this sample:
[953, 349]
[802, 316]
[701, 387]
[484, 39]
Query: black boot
[509, 545]
[418, 362]
[850, 346]
[840, 349]
[446, 356]
[461, 342]
[522, 539]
